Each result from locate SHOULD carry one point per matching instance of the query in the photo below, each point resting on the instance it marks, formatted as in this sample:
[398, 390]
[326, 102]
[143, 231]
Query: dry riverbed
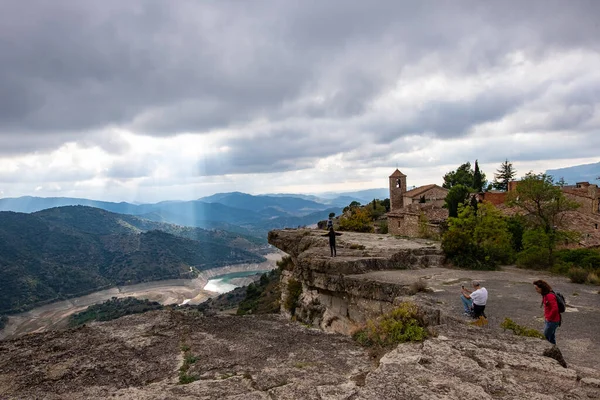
[173, 291]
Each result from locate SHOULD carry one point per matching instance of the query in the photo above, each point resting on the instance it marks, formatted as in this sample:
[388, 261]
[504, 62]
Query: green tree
[463, 175]
[376, 210]
[544, 206]
[478, 179]
[457, 195]
[386, 204]
[478, 239]
[503, 176]
[352, 205]
[358, 220]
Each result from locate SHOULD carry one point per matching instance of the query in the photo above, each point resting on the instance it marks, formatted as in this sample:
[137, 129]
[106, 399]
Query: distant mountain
[102, 222]
[28, 204]
[362, 196]
[288, 204]
[578, 173]
[70, 251]
[294, 222]
[236, 212]
[342, 199]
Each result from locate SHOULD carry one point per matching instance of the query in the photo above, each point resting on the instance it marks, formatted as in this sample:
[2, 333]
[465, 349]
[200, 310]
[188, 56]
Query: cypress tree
[478, 179]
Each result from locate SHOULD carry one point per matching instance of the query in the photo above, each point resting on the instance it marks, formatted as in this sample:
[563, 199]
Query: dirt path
[511, 295]
[173, 291]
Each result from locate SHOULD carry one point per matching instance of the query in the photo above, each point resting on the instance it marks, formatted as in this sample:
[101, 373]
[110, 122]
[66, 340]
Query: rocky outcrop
[335, 294]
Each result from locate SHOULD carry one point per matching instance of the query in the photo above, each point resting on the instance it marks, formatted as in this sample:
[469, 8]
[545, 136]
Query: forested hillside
[70, 251]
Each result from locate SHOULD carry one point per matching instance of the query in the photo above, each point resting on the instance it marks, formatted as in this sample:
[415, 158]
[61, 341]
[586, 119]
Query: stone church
[417, 212]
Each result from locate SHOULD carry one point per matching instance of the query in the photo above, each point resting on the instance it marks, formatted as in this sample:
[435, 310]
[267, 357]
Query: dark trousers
[332, 248]
[478, 311]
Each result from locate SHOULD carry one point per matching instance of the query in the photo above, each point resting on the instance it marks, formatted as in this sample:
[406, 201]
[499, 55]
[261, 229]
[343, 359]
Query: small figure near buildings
[332, 234]
[551, 312]
[474, 301]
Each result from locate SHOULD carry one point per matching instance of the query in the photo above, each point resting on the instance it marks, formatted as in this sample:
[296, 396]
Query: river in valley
[209, 283]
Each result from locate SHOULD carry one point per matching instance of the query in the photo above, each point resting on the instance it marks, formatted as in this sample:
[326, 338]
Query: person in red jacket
[551, 314]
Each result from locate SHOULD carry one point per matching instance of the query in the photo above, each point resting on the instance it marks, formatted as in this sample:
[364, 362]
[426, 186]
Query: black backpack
[560, 300]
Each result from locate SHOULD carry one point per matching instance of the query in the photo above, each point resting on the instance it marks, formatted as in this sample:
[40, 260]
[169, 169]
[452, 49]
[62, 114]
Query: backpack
[560, 300]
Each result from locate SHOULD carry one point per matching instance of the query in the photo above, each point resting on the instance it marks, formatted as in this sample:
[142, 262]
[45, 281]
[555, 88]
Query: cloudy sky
[153, 100]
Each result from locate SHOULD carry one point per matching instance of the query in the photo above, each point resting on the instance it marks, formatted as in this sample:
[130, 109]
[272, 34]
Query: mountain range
[234, 212]
[578, 173]
[69, 251]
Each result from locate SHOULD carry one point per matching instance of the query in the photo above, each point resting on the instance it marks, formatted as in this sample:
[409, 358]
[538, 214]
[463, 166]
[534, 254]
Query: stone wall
[496, 198]
[588, 197]
[434, 195]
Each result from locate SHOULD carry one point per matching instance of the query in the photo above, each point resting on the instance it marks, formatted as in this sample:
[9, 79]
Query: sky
[161, 100]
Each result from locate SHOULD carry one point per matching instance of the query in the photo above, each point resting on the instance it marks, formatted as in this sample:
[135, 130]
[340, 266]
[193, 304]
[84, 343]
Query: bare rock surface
[267, 357]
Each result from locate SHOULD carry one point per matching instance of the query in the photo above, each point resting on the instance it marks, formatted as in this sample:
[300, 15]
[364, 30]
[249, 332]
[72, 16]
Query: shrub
[509, 324]
[534, 258]
[577, 275]
[400, 325]
[593, 278]
[536, 250]
[285, 264]
[359, 220]
[294, 290]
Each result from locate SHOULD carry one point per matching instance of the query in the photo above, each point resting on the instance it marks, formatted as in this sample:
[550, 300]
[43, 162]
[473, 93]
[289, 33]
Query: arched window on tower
[399, 183]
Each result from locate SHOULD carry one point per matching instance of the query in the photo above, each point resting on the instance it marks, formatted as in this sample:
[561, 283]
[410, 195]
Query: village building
[417, 212]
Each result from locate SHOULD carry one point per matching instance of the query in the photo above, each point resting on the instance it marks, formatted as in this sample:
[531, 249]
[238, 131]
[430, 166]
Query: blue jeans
[467, 303]
[550, 331]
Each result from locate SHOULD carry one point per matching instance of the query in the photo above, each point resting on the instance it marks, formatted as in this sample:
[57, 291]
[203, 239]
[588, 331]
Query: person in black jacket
[332, 234]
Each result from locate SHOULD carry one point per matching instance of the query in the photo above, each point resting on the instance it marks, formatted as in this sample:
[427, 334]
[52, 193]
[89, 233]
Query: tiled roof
[420, 190]
[578, 192]
[397, 173]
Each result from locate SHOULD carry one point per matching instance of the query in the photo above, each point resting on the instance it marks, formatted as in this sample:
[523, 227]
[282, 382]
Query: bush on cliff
[262, 297]
[509, 324]
[403, 324]
[113, 309]
[294, 290]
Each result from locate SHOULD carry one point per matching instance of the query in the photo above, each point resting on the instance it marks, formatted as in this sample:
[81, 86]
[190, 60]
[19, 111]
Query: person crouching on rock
[551, 313]
[332, 234]
[474, 301]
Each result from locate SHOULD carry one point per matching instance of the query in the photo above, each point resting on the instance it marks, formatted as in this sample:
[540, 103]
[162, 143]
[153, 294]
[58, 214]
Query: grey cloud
[44, 174]
[163, 68]
[128, 169]
[276, 150]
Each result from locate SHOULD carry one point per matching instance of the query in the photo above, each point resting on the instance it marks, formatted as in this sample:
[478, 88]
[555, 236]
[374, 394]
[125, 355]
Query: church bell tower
[397, 190]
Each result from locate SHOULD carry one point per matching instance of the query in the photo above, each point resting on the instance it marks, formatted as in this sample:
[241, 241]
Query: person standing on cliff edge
[332, 234]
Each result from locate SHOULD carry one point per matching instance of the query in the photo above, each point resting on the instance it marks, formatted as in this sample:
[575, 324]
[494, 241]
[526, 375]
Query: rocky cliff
[180, 354]
[336, 296]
